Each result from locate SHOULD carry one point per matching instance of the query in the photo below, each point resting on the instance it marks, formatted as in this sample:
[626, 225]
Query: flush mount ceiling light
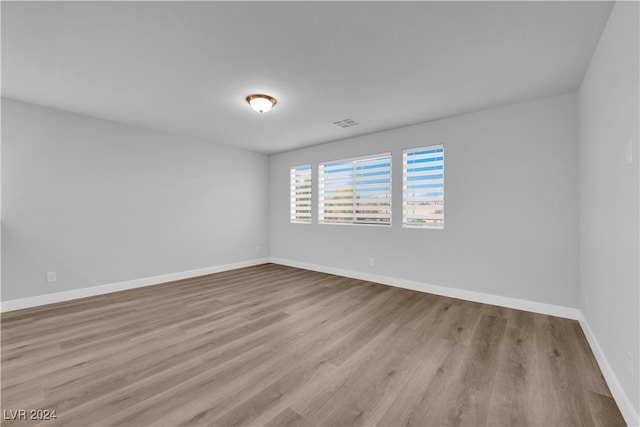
[261, 103]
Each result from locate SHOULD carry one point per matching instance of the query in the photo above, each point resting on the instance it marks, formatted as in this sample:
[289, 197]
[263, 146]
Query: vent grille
[345, 123]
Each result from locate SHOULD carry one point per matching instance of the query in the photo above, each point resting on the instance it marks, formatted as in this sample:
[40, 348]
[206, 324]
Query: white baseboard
[21, 303]
[624, 403]
[519, 304]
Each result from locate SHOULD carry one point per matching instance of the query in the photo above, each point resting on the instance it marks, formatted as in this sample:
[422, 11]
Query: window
[355, 191]
[300, 186]
[423, 187]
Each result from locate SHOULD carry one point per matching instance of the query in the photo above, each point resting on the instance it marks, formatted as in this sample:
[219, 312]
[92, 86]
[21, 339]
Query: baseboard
[624, 403]
[29, 302]
[519, 304]
[536, 307]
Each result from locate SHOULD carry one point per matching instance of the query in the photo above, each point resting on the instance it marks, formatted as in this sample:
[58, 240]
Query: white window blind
[423, 187]
[355, 191]
[300, 186]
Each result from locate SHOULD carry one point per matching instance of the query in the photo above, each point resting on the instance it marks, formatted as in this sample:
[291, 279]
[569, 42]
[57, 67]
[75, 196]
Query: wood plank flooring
[278, 346]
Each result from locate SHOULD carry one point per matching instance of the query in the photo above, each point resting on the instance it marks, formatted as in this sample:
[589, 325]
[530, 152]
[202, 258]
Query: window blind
[423, 187]
[355, 191]
[300, 185]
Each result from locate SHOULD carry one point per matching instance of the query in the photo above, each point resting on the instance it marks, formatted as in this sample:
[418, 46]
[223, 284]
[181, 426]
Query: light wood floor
[278, 346]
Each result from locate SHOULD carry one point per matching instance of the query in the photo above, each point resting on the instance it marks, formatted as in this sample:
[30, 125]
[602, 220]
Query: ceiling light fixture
[261, 103]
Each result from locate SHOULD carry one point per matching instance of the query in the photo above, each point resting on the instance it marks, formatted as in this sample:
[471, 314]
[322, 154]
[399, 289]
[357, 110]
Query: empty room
[320, 213]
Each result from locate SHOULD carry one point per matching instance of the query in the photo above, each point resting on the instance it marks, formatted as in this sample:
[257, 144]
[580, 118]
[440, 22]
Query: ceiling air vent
[345, 123]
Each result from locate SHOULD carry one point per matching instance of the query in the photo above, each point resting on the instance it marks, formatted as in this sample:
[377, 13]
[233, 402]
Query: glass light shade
[261, 103]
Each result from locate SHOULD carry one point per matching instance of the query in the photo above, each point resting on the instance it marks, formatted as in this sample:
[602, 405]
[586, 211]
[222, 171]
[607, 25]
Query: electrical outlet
[257, 249]
[372, 261]
[629, 153]
[631, 366]
[51, 276]
[586, 304]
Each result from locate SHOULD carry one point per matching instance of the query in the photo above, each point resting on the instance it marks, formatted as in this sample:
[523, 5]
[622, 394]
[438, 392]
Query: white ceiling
[186, 67]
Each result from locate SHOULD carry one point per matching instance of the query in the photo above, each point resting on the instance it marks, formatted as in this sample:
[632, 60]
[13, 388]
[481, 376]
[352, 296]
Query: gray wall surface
[609, 197]
[102, 202]
[511, 206]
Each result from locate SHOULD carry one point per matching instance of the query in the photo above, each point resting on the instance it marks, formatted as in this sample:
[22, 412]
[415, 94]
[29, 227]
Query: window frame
[294, 202]
[355, 162]
[406, 194]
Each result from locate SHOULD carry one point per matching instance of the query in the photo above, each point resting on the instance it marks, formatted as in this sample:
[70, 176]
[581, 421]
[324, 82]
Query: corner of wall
[620, 396]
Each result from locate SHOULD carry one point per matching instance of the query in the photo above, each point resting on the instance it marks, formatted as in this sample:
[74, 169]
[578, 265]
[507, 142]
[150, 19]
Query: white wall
[609, 197]
[102, 202]
[511, 197]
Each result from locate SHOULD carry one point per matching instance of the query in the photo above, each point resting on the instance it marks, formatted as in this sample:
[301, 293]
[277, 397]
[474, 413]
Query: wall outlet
[629, 154]
[372, 261]
[631, 364]
[257, 249]
[586, 303]
[51, 276]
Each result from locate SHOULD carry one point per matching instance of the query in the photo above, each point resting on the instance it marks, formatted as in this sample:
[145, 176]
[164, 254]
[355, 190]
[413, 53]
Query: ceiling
[186, 67]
